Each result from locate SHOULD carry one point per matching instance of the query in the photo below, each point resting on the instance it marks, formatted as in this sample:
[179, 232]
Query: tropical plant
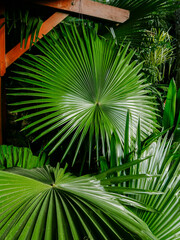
[144, 15]
[35, 201]
[47, 203]
[22, 21]
[171, 114]
[83, 91]
[163, 164]
[83, 85]
[157, 52]
[165, 222]
[11, 156]
[157, 55]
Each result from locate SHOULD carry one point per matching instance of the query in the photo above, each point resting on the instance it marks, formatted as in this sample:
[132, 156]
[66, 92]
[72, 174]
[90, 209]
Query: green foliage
[11, 156]
[164, 224]
[35, 201]
[88, 92]
[23, 20]
[47, 203]
[172, 107]
[157, 52]
[171, 115]
[151, 177]
[144, 14]
[83, 86]
[158, 56]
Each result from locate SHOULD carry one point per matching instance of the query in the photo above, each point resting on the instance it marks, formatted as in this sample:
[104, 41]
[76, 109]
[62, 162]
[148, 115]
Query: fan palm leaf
[83, 85]
[47, 203]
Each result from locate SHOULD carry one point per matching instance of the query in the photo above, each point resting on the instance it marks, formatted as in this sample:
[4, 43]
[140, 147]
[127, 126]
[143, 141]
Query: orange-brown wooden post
[2, 61]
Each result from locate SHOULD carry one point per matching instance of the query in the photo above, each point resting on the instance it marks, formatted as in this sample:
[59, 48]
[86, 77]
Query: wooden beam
[90, 8]
[0, 111]
[47, 26]
[2, 62]
[2, 47]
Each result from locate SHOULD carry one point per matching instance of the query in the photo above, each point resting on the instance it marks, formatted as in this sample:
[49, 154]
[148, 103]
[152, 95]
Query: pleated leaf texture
[11, 156]
[83, 85]
[47, 203]
[165, 223]
[154, 181]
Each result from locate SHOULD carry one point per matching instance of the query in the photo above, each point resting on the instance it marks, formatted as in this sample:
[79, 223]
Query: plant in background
[144, 15]
[171, 114]
[157, 52]
[83, 85]
[157, 55]
[23, 18]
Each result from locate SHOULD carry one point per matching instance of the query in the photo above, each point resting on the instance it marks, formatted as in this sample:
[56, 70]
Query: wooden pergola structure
[85, 7]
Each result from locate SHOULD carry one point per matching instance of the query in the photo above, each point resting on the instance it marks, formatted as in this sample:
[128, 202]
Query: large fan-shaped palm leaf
[84, 85]
[46, 203]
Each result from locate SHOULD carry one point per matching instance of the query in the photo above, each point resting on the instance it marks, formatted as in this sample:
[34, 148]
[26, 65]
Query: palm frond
[144, 14]
[83, 85]
[152, 179]
[141, 8]
[165, 224]
[47, 203]
[11, 156]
